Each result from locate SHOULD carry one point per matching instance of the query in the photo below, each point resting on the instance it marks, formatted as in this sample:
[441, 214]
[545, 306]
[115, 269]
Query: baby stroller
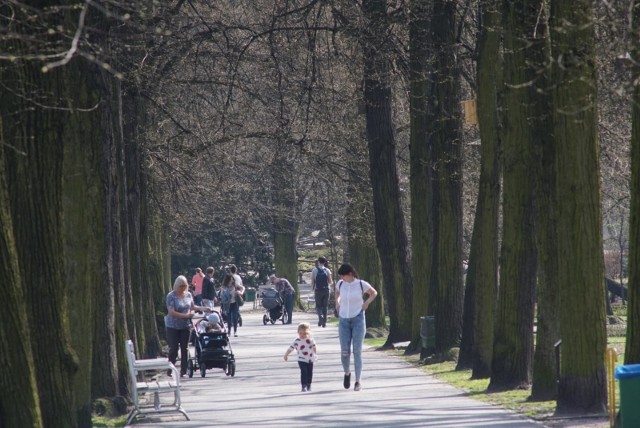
[211, 349]
[272, 302]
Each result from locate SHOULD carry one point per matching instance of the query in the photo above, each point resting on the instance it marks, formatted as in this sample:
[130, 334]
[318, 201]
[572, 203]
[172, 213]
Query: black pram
[211, 350]
[273, 303]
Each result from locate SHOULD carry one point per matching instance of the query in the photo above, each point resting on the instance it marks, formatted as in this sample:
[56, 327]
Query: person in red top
[196, 281]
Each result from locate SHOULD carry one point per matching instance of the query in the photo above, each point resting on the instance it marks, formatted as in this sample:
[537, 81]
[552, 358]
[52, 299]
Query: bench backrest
[131, 358]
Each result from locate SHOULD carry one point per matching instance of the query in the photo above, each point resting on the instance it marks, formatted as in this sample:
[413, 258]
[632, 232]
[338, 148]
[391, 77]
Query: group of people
[350, 307]
[183, 304]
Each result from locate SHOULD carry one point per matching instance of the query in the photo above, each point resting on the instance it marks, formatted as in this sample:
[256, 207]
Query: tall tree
[582, 387]
[445, 141]
[544, 382]
[632, 348]
[420, 172]
[390, 230]
[513, 340]
[19, 402]
[362, 251]
[482, 274]
[35, 179]
[82, 211]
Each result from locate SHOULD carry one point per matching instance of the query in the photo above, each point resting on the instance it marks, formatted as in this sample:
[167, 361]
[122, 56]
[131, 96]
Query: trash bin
[428, 333]
[250, 294]
[629, 377]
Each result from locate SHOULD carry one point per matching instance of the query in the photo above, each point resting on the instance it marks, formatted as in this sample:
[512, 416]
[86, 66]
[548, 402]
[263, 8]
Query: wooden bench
[155, 387]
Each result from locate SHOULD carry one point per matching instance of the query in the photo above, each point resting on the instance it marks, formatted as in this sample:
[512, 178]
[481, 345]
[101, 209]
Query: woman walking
[229, 298]
[180, 307]
[351, 307]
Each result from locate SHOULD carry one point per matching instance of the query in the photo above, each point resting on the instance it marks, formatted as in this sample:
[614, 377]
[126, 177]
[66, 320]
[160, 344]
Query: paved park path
[265, 391]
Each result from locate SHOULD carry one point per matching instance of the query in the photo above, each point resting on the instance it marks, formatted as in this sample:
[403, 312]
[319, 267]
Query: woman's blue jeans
[288, 305]
[351, 332]
[234, 316]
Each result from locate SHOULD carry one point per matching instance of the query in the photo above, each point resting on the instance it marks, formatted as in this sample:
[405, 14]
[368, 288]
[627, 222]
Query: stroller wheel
[264, 319]
[203, 369]
[190, 368]
[273, 321]
[232, 368]
[285, 318]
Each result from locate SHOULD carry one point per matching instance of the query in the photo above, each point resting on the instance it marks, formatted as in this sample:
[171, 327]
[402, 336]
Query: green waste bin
[250, 294]
[629, 378]
[428, 333]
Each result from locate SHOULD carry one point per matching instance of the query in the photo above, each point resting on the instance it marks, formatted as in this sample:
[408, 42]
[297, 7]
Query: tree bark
[391, 237]
[82, 216]
[544, 383]
[632, 348]
[362, 251]
[286, 224]
[482, 274]
[19, 400]
[513, 341]
[35, 181]
[582, 387]
[445, 137]
[420, 174]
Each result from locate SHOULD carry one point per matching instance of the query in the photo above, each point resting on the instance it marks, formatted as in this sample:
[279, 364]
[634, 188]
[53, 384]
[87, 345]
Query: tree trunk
[632, 348]
[286, 224]
[544, 384]
[82, 235]
[582, 387]
[482, 274]
[420, 175]
[34, 169]
[513, 342]
[362, 251]
[391, 235]
[19, 401]
[446, 142]
[105, 360]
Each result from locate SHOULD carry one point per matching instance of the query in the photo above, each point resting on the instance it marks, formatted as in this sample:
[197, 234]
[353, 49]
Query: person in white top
[351, 307]
[234, 271]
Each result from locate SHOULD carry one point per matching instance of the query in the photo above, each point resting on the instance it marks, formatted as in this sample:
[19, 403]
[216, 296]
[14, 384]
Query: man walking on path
[321, 280]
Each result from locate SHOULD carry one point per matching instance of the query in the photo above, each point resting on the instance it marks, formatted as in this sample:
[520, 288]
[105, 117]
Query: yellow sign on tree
[470, 111]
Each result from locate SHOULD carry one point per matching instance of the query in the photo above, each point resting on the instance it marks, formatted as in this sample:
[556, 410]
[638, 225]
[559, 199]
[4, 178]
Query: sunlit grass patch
[515, 400]
[103, 422]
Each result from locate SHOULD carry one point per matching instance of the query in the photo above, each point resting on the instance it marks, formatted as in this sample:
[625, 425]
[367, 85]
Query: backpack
[322, 279]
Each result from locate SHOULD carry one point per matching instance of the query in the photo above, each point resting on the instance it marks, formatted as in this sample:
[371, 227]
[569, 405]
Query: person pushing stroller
[287, 292]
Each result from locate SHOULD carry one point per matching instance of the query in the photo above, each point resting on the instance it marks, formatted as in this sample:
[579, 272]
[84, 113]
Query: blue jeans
[234, 317]
[351, 332]
[288, 305]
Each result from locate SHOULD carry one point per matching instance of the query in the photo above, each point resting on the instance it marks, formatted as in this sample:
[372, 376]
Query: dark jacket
[208, 288]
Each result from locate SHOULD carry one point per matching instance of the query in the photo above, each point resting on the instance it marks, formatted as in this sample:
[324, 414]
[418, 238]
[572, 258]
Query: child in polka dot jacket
[307, 355]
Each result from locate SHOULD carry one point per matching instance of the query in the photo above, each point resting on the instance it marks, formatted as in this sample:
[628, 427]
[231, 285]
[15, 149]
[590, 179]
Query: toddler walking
[306, 347]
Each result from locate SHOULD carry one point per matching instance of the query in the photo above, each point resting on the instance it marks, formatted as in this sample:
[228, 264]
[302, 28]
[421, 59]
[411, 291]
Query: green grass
[515, 400]
[102, 422]
[375, 342]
